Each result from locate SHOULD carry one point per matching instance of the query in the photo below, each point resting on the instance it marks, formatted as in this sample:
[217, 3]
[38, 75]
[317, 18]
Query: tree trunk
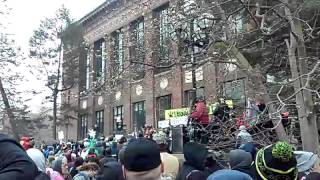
[305, 106]
[9, 111]
[55, 98]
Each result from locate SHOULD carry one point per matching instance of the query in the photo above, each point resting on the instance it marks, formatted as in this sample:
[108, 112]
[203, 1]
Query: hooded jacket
[15, 163]
[241, 161]
[87, 172]
[201, 113]
[195, 155]
[111, 171]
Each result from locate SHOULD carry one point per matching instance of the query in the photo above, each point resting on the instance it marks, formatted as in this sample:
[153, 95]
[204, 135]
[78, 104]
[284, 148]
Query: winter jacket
[87, 172]
[195, 155]
[229, 175]
[14, 162]
[200, 113]
[38, 158]
[111, 171]
[241, 160]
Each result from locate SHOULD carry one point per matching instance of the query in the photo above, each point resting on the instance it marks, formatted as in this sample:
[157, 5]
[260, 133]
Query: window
[188, 99]
[137, 50]
[119, 51]
[139, 118]
[83, 126]
[118, 118]
[100, 61]
[88, 71]
[165, 30]
[99, 121]
[235, 90]
[163, 103]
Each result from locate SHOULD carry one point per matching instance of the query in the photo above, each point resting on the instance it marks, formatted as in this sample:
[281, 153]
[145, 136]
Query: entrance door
[139, 118]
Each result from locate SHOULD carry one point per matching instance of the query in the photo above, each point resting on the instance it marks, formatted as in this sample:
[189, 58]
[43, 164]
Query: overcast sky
[25, 16]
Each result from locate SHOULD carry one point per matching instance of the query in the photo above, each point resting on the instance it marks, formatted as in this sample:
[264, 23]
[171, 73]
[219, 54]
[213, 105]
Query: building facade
[130, 75]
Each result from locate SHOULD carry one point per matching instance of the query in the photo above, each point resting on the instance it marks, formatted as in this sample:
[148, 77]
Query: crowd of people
[148, 159]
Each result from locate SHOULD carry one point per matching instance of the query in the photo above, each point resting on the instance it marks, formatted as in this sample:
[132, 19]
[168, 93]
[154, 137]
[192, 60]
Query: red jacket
[201, 114]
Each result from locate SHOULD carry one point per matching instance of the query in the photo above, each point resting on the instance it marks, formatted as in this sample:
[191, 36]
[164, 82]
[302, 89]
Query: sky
[25, 17]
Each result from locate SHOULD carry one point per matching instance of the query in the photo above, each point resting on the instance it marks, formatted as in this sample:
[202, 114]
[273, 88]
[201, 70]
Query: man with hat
[142, 161]
[276, 162]
[170, 162]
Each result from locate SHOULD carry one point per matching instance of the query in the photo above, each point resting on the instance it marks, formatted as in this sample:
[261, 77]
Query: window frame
[115, 115]
[100, 121]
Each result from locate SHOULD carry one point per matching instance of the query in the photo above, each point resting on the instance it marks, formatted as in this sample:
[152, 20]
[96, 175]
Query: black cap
[142, 155]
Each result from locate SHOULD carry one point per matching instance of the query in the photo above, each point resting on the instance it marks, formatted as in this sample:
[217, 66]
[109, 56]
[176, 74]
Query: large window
[83, 126]
[137, 49]
[118, 118]
[163, 103]
[100, 61]
[119, 51]
[100, 121]
[165, 36]
[235, 90]
[139, 118]
[188, 99]
[88, 71]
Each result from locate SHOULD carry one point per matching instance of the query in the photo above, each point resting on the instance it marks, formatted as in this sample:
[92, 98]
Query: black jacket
[111, 171]
[15, 164]
[195, 155]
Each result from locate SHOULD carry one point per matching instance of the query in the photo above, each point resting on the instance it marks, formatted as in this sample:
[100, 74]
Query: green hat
[277, 161]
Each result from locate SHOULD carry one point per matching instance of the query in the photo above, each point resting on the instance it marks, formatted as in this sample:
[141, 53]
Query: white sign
[176, 121]
[118, 137]
[164, 83]
[164, 124]
[139, 90]
[118, 95]
[100, 100]
[60, 136]
[84, 104]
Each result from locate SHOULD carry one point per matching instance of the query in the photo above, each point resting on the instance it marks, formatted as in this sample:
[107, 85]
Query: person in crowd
[107, 156]
[87, 171]
[195, 155]
[56, 173]
[211, 165]
[121, 155]
[276, 161]
[241, 160]
[111, 171]
[142, 161]
[74, 170]
[227, 174]
[25, 142]
[38, 158]
[243, 137]
[222, 112]
[170, 162]
[307, 163]
[250, 148]
[14, 161]
[201, 116]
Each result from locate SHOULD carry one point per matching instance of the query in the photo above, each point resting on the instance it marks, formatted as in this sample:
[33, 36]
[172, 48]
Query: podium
[177, 140]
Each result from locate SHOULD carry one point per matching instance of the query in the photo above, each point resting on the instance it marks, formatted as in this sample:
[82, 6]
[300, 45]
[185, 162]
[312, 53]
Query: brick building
[126, 77]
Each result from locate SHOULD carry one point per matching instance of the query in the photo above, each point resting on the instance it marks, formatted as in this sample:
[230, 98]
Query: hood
[195, 155]
[112, 171]
[305, 160]
[91, 169]
[57, 165]
[240, 159]
[38, 158]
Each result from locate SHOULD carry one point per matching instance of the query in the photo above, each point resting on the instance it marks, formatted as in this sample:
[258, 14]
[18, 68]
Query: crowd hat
[142, 155]
[160, 137]
[276, 162]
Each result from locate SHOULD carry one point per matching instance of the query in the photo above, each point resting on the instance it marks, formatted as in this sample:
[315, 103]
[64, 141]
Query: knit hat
[160, 137]
[277, 162]
[142, 155]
